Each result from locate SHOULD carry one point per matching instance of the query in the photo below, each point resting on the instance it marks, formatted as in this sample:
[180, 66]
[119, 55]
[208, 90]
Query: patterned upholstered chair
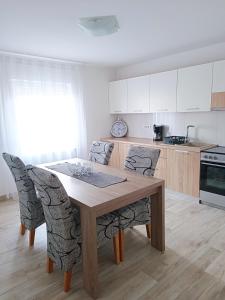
[63, 225]
[100, 152]
[31, 212]
[142, 160]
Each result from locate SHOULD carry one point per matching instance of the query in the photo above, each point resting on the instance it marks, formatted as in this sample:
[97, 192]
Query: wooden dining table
[94, 202]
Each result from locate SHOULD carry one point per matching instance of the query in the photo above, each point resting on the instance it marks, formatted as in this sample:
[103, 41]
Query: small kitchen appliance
[212, 177]
[158, 132]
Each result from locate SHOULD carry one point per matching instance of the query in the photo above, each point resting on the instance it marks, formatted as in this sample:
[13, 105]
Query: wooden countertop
[197, 146]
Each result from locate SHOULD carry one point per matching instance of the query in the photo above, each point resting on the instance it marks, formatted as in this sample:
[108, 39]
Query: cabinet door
[218, 77]
[118, 96]
[115, 156]
[160, 170]
[183, 171]
[123, 150]
[163, 92]
[194, 88]
[138, 94]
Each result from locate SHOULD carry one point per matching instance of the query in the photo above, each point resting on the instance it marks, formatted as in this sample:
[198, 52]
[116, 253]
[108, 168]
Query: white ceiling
[149, 28]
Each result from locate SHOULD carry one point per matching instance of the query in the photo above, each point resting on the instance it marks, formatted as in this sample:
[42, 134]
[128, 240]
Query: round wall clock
[119, 129]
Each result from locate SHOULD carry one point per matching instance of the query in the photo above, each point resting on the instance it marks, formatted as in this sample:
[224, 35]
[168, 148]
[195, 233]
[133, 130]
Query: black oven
[212, 177]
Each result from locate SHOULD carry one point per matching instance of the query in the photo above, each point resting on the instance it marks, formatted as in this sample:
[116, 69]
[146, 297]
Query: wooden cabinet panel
[183, 171]
[179, 168]
[163, 92]
[118, 96]
[115, 156]
[218, 101]
[123, 150]
[194, 88]
[138, 94]
[161, 167]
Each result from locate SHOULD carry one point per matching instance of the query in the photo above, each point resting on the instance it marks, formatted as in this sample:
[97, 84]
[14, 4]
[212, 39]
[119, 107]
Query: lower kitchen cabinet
[120, 152]
[115, 156]
[183, 169]
[123, 150]
[160, 171]
[179, 168]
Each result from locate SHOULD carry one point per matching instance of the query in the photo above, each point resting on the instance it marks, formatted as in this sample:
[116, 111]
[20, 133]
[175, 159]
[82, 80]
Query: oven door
[212, 179]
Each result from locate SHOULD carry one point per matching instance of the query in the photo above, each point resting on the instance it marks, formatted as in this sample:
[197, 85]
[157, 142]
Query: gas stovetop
[216, 154]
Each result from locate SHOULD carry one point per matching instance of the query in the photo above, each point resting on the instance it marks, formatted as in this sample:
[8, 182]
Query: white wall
[98, 119]
[209, 125]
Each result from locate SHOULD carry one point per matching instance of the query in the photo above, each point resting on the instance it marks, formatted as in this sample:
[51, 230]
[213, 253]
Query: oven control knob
[206, 156]
[215, 157]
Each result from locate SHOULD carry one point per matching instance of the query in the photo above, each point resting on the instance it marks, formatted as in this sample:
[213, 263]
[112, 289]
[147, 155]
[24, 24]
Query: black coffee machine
[158, 132]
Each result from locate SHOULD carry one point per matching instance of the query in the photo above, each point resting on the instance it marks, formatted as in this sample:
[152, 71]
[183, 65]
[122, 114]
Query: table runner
[98, 179]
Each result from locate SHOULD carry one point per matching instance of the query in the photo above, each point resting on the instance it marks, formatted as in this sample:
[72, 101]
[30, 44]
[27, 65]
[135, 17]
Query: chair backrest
[100, 152]
[63, 225]
[142, 160]
[30, 216]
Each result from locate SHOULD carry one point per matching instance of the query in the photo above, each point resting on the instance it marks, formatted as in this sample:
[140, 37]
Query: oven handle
[214, 165]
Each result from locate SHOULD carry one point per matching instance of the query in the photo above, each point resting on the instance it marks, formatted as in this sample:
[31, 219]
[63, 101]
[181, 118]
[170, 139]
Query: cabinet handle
[193, 108]
[163, 109]
[138, 110]
[182, 151]
[117, 111]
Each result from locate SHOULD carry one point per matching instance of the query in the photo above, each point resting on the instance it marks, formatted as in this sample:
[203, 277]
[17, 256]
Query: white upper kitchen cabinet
[194, 88]
[163, 92]
[118, 96]
[219, 77]
[138, 94]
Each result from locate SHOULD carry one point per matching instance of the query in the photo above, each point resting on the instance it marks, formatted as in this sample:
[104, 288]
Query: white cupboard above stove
[163, 92]
[194, 88]
[138, 95]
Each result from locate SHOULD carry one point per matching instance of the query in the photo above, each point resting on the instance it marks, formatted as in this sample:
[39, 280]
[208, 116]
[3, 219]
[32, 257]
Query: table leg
[158, 219]
[89, 252]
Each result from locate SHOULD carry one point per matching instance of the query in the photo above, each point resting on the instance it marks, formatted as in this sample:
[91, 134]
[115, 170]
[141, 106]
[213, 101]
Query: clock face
[119, 129]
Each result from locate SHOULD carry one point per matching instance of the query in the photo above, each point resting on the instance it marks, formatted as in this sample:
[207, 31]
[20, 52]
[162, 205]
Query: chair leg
[22, 229]
[121, 240]
[67, 281]
[31, 237]
[116, 245]
[148, 229]
[49, 265]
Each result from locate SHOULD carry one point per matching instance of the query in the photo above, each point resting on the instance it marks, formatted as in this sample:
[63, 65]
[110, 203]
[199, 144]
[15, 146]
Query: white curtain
[41, 111]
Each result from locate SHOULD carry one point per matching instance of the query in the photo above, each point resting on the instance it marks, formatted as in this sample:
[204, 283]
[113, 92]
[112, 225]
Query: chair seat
[138, 213]
[106, 226]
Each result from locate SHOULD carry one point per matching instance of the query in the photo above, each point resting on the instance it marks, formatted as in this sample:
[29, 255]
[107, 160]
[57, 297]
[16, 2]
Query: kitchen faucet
[187, 140]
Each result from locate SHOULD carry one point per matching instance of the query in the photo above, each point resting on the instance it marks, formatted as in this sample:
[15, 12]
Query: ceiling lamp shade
[99, 26]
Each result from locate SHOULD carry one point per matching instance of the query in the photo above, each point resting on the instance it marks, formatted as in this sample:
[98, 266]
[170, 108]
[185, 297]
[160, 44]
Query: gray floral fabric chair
[142, 160]
[31, 211]
[100, 152]
[63, 224]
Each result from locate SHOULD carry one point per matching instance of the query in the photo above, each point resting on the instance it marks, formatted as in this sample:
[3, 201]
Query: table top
[109, 198]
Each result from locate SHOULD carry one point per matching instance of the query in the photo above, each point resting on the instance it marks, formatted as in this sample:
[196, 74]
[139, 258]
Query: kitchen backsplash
[209, 126]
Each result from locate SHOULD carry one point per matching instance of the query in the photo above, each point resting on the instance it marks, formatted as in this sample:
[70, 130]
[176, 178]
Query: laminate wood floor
[193, 266]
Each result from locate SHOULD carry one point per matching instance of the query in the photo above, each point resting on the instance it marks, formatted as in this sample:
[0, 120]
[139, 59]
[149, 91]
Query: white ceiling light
[99, 26]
